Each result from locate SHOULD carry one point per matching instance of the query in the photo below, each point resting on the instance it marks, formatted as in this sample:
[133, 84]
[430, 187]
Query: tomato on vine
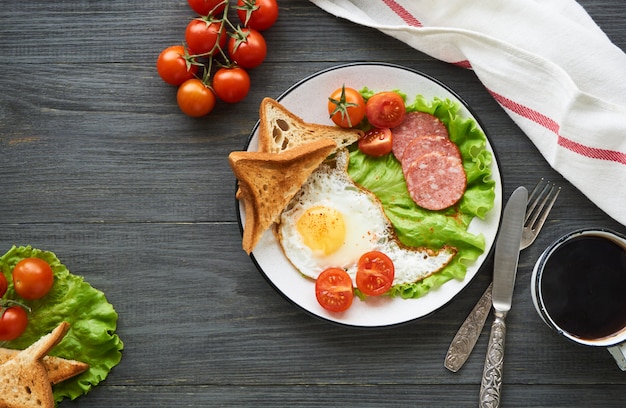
[175, 65]
[195, 98]
[13, 322]
[206, 7]
[257, 14]
[247, 48]
[346, 107]
[203, 36]
[231, 84]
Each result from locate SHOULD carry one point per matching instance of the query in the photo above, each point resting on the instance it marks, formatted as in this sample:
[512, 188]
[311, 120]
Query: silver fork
[540, 202]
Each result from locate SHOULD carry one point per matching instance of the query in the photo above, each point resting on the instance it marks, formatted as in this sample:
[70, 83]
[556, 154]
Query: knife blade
[504, 272]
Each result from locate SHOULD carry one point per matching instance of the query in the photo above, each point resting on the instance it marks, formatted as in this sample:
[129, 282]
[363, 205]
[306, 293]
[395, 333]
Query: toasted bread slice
[268, 181]
[281, 130]
[24, 379]
[58, 368]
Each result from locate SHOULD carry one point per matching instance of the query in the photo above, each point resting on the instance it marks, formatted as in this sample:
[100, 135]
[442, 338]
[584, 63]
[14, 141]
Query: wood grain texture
[100, 167]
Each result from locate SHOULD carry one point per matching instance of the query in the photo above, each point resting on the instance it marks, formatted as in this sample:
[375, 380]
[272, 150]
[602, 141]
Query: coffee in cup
[579, 289]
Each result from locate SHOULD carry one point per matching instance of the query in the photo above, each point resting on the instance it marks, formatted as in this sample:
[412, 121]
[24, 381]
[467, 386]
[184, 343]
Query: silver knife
[504, 272]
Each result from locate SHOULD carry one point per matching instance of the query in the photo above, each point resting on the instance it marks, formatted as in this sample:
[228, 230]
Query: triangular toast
[26, 374]
[281, 130]
[268, 181]
[58, 368]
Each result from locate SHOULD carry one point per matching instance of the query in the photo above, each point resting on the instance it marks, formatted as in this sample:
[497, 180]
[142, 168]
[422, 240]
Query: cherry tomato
[175, 66]
[385, 109]
[346, 107]
[376, 142]
[195, 98]
[4, 285]
[247, 48]
[13, 322]
[375, 273]
[333, 290]
[32, 278]
[231, 84]
[206, 7]
[204, 37]
[257, 14]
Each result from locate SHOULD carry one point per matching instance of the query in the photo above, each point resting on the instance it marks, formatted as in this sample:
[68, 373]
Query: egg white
[367, 229]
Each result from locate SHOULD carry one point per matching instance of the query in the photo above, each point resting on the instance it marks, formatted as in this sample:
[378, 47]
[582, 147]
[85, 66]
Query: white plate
[307, 99]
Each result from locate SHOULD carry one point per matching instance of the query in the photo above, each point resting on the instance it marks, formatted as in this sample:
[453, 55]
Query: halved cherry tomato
[231, 84]
[195, 98]
[175, 66]
[346, 107]
[204, 37]
[204, 7]
[333, 290]
[247, 48]
[385, 109]
[32, 278]
[4, 285]
[375, 273]
[376, 142]
[257, 14]
[13, 322]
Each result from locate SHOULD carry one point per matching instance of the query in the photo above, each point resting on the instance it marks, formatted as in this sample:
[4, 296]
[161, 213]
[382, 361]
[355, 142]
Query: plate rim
[475, 117]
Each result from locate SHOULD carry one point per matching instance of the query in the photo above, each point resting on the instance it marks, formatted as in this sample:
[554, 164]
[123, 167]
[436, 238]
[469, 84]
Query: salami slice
[428, 144]
[436, 181]
[414, 125]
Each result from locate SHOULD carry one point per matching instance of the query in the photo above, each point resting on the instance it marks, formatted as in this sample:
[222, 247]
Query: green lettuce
[91, 337]
[418, 227]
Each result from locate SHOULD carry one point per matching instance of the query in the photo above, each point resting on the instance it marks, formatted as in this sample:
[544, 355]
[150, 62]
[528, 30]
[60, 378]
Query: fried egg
[331, 222]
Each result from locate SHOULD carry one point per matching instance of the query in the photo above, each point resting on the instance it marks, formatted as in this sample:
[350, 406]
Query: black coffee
[584, 287]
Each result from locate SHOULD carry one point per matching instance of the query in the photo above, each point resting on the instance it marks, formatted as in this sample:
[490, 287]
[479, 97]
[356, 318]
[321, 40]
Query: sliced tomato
[346, 107]
[333, 290]
[376, 142]
[375, 273]
[385, 109]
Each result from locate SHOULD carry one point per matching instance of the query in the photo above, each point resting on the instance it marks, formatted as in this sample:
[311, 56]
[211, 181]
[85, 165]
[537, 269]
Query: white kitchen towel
[546, 62]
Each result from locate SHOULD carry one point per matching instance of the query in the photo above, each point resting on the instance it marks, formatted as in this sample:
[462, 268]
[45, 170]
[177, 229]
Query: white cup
[578, 287]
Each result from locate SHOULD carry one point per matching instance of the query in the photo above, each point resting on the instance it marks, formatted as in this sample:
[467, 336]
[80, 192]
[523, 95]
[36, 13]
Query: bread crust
[268, 181]
[281, 130]
[24, 380]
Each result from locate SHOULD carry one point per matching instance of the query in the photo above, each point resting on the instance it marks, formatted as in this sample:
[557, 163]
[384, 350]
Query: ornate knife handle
[465, 339]
[491, 386]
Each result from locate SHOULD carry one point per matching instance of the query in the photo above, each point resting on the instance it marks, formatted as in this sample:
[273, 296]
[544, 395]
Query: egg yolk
[322, 229]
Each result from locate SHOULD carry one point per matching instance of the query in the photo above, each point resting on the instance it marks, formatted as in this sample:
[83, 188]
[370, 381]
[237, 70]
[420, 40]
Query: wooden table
[99, 166]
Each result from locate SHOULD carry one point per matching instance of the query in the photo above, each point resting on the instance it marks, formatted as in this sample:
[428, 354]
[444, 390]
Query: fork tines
[539, 196]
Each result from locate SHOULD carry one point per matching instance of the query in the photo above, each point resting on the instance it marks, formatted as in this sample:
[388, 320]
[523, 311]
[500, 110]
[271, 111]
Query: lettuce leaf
[91, 337]
[416, 226]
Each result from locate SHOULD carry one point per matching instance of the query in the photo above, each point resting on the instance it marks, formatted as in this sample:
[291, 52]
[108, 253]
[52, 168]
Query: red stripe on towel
[403, 13]
[553, 126]
[592, 152]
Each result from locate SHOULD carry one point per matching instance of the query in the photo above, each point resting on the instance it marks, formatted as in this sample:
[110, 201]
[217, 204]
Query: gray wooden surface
[99, 166]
